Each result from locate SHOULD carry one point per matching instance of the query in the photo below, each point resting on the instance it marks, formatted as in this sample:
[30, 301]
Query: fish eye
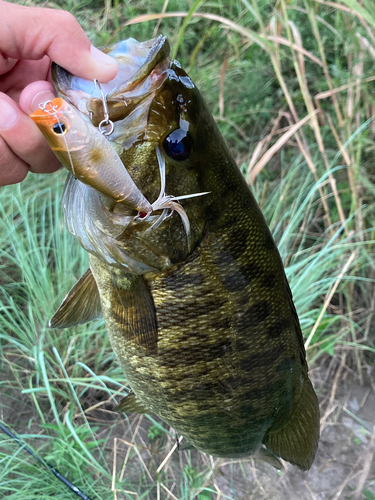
[59, 128]
[178, 144]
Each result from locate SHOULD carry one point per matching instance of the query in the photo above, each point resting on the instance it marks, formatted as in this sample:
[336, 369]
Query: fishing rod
[55, 472]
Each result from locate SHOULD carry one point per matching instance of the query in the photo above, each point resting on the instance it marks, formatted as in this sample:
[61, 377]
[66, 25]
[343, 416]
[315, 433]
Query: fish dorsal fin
[297, 440]
[131, 404]
[82, 304]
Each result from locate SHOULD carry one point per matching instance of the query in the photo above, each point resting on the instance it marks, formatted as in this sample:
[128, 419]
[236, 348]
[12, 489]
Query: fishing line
[69, 155]
[55, 472]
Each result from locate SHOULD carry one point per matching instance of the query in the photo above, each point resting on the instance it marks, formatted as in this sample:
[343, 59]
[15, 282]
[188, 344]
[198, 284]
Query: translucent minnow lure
[87, 154]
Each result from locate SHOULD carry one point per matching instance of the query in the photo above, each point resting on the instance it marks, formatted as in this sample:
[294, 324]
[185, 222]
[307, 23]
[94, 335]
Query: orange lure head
[61, 125]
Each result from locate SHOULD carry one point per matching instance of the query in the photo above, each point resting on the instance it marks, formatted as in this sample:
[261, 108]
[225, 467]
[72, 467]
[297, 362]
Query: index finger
[33, 32]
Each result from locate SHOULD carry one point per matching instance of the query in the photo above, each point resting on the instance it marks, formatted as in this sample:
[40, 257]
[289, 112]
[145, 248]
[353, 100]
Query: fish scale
[199, 315]
[236, 341]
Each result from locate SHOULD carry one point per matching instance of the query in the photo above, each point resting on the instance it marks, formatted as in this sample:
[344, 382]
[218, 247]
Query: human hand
[30, 38]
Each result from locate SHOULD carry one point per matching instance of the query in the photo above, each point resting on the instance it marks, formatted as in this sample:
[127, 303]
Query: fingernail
[42, 96]
[8, 115]
[102, 58]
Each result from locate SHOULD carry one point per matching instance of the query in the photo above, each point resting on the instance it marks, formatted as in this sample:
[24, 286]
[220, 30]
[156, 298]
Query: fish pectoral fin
[297, 440]
[269, 457]
[131, 404]
[82, 304]
[133, 311]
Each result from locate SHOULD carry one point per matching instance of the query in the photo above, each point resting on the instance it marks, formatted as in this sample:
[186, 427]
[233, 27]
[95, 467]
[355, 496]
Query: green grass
[58, 387]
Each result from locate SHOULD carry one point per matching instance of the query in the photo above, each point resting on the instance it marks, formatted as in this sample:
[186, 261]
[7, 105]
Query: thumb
[32, 33]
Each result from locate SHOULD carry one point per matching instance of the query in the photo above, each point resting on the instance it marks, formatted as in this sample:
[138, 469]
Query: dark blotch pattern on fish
[235, 282]
[224, 259]
[203, 391]
[235, 277]
[193, 279]
[261, 359]
[254, 315]
[286, 365]
[269, 280]
[264, 392]
[230, 188]
[251, 270]
[186, 311]
[278, 327]
[192, 354]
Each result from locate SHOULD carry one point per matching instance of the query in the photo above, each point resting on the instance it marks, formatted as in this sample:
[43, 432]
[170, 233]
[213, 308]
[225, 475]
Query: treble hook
[106, 120]
[48, 107]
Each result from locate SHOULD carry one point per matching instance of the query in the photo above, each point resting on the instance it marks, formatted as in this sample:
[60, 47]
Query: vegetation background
[291, 84]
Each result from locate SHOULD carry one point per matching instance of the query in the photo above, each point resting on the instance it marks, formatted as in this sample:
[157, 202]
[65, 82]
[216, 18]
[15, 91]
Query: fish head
[142, 67]
[169, 143]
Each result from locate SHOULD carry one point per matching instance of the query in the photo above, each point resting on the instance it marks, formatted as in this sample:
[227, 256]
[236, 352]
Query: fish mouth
[143, 67]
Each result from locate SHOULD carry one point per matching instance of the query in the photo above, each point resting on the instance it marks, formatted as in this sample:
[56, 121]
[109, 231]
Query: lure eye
[59, 128]
[178, 145]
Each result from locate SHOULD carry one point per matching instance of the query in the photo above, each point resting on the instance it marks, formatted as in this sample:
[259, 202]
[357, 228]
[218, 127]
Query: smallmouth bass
[193, 290]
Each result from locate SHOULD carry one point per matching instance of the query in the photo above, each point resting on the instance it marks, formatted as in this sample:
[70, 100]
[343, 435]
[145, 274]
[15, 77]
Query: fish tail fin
[297, 440]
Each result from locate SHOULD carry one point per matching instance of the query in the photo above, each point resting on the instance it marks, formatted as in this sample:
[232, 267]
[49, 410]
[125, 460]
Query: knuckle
[12, 170]
[18, 174]
[4, 152]
[36, 148]
[67, 21]
[39, 155]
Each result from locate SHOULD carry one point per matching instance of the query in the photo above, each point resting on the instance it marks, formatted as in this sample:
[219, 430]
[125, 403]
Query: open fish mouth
[143, 67]
[102, 202]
